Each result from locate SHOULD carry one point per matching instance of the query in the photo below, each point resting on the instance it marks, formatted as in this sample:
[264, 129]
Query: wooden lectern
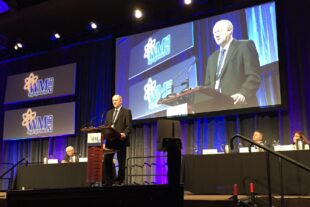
[95, 139]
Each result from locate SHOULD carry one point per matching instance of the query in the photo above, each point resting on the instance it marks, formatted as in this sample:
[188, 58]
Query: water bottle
[300, 145]
[45, 160]
[227, 149]
[74, 159]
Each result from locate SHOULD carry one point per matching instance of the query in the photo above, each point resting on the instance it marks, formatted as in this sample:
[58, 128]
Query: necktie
[220, 64]
[114, 116]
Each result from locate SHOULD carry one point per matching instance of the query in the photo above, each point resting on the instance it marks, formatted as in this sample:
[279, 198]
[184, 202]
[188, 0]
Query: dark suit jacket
[67, 158]
[240, 72]
[122, 125]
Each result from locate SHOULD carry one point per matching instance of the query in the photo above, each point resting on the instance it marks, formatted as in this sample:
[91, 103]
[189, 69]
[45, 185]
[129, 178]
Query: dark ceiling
[32, 22]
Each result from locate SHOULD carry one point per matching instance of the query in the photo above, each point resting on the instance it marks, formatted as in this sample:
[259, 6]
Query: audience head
[257, 136]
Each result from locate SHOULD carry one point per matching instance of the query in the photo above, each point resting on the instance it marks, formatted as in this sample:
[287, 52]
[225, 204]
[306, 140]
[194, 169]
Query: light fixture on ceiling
[55, 36]
[18, 45]
[138, 13]
[187, 2]
[93, 25]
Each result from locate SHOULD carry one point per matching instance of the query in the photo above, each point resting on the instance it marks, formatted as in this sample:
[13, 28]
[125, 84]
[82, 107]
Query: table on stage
[48, 176]
[216, 174]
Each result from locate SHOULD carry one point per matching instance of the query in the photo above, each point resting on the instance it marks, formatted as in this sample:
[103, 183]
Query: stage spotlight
[138, 13]
[93, 25]
[187, 2]
[55, 36]
[18, 46]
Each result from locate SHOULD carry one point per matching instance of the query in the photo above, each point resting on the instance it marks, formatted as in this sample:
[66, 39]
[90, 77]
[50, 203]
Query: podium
[95, 139]
[200, 99]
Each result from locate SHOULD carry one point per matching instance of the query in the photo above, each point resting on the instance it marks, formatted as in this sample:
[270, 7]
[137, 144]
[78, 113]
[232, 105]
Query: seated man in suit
[71, 155]
[258, 137]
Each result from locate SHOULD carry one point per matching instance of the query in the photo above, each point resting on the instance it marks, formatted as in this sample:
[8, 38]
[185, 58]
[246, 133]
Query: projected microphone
[186, 70]
[176, 79]
[168, 95]
[186, 82]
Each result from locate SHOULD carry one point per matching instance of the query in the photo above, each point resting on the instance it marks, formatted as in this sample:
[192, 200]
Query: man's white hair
[225, 22]
[118, 96]
[69, 148]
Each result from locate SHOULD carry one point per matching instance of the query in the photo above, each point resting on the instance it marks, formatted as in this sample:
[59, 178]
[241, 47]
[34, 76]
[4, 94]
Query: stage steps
[132, 196]
[210, 200]
[226, 201]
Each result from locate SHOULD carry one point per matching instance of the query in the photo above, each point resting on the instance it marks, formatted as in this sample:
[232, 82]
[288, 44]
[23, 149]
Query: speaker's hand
[238, 98]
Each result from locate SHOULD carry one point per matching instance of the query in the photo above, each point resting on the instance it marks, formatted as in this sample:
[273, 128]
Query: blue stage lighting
[3, 7]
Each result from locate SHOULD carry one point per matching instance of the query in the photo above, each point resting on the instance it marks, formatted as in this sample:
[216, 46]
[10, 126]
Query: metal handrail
[290, 160]
[10, 170]
[130, 167]
[277, 154]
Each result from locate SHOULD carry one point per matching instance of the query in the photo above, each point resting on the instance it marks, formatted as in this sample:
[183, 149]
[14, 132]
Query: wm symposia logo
[37, 87]
[153, 92]
[37, 124]
[155, 50]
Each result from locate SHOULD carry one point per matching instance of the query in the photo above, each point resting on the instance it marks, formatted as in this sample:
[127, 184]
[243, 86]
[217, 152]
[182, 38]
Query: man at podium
[120, 119]
[234, 68]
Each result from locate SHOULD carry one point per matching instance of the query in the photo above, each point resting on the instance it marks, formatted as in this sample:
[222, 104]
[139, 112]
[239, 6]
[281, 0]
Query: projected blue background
[255, 23]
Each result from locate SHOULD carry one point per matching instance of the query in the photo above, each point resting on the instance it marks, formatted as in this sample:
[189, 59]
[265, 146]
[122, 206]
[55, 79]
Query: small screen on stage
[220, 63]
[41, 84]
[37, 122]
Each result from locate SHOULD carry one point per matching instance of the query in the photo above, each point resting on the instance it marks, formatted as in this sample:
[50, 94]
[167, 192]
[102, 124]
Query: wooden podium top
[90, 129]
[107, 131]
[195, 95]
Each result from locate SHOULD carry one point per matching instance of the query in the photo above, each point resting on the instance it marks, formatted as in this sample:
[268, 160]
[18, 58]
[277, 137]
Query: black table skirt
[216, 174]
[48, 176]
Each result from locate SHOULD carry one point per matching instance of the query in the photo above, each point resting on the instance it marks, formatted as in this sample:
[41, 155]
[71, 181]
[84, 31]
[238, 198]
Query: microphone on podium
[95, 120]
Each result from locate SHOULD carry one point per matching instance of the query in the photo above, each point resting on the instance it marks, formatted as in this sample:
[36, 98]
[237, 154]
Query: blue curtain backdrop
[95, 86]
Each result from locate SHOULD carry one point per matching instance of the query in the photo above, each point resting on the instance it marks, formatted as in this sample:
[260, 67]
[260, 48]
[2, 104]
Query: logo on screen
[37, 124]
[153, 92]
[155, 50]
[38, 87]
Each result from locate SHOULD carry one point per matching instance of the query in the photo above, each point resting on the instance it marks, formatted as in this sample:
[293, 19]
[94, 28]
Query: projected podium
[95, 138]
[199, 99]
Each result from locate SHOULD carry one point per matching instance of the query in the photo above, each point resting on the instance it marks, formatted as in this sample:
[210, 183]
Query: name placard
[94, 139]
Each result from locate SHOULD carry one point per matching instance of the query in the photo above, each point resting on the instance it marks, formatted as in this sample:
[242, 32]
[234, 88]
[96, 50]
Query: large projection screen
[52, 82]
[171, 71]
[37, 122]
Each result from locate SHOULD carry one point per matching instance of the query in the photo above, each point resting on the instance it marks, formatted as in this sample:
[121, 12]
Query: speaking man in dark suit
[120, 119]
[234, 68]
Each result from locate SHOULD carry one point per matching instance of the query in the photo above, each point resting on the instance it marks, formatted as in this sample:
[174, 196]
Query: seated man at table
[71, 155]
[258, 137]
